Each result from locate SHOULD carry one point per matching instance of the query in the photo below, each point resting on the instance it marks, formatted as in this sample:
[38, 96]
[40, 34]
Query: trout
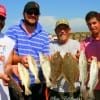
[46, 69]
[16, 87]
[93, 77]
[25, 78]
[83, 70]
[33, 68]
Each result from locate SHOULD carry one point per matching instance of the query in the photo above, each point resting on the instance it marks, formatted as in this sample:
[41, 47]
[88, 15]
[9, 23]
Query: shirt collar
[38, 29]
[93, 39]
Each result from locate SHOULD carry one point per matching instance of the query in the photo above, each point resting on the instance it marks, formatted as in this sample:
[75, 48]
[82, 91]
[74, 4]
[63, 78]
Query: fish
[33, 68]
[70, 71]
[83, 70]
[56, 62]
[46, 69]
[25, 78]
[16, 87]
[93, 77]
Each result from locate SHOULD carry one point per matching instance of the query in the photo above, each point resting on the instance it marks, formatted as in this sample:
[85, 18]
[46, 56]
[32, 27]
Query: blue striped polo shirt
[37, 42]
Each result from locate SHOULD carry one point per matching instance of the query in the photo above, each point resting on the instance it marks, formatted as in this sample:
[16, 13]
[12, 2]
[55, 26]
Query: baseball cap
[32, 5]
[62, 21]
[2, 11]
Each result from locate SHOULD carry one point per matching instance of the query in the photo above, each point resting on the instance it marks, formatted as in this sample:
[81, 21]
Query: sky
[51, 10]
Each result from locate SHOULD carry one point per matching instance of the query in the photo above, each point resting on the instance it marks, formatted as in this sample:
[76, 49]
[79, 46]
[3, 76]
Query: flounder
[56, 67]
[70, 71]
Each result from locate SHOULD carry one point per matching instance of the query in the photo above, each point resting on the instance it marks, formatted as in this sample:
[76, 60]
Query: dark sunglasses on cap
[33, 11]
[2, 18]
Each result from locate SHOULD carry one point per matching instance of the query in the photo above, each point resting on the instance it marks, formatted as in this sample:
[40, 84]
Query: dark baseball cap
[32, 5]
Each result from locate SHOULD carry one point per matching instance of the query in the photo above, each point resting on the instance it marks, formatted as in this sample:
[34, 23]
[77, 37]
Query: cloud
[48, 23]
[77, 24]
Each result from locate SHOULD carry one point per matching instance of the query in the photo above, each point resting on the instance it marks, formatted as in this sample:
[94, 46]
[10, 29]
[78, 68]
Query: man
[63, 44]
[5, 56]
[30, 38]
[91, 45]
[2, 23]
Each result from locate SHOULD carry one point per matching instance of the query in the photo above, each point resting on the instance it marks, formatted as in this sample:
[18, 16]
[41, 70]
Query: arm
[9, 67]
[76, 50]
[19, 59]
[4, 77]
[0, 75]
[16, 58]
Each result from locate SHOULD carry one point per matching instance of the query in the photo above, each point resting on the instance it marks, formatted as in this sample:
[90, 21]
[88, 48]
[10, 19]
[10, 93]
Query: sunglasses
[33, 11]
[2, 18]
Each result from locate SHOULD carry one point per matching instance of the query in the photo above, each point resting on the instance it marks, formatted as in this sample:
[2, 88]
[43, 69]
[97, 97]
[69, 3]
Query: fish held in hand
[56, 68]
[16, 87]
[25, 78]
[70, 71]
[83, 70]
[46, 69]
[93, 77]
[33, 68]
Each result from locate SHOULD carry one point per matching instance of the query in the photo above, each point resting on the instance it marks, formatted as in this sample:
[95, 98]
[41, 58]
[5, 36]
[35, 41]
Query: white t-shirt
[6, 46]
[71, 46]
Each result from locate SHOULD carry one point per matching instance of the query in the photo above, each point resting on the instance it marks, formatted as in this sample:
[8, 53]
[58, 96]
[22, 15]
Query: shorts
[38, 93]
[53, 95]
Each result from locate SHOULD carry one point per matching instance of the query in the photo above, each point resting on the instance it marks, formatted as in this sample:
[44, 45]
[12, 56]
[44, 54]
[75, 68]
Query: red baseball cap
[2, 11]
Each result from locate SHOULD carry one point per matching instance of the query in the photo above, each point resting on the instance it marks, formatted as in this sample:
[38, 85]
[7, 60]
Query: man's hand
[2, 58]
[24, 61]
[15, 70]
[12, 69]
[5, 79]
[76, 56]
